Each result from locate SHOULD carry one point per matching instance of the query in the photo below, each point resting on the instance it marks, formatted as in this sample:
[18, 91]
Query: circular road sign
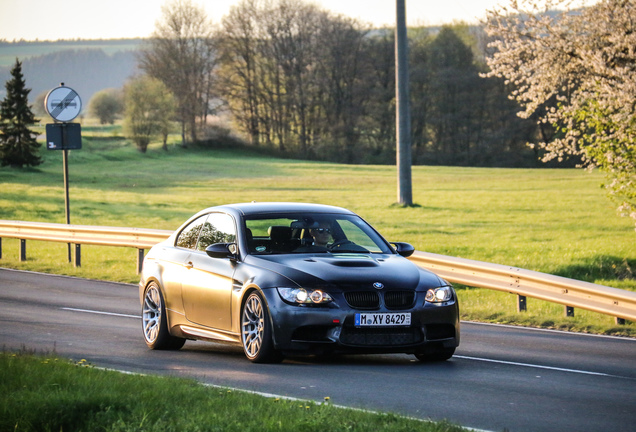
[63, 104]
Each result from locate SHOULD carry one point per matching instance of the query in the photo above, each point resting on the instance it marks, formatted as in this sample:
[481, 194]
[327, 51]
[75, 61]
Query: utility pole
[403, 114]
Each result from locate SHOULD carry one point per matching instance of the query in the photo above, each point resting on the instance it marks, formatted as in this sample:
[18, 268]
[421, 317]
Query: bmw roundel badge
[378, 285]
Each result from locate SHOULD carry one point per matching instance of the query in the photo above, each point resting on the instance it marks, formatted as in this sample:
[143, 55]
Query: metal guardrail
[139, 238]
[569, 292]
[572, 293]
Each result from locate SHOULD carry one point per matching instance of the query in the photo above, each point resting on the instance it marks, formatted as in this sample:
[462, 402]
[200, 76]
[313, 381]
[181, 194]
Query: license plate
[382, 319]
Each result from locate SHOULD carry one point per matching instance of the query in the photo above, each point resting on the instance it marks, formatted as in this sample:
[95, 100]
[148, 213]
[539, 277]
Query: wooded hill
[87, 66]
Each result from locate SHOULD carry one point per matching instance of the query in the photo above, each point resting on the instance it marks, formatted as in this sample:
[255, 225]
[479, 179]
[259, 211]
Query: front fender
[154, 270]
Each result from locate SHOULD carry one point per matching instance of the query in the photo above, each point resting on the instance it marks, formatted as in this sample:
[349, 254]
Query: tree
[318, 85]
[106, 105]
[39, 108]
[181, 53]
[339, 80]
[577, 70]
[239, 75]
[18, 146]
[289, 64]
[290, 74]
[454, 99]
[149, 110]
[378, 123]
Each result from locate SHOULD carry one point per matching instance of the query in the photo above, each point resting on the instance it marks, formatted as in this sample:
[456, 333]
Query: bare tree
[181, 53]
[291, 29]
[239, 74]
[585, 60]
[286, 64]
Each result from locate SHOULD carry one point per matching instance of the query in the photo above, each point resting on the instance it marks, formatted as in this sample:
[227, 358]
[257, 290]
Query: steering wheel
[339, 243]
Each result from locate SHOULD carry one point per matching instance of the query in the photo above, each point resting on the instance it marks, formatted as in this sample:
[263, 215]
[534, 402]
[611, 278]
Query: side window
[219, 228]
[188, 237]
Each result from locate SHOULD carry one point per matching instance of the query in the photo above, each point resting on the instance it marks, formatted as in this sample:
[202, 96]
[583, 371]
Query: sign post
[64, 104]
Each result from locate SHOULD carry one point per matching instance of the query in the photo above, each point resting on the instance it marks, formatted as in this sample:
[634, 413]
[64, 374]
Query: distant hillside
[86, 66]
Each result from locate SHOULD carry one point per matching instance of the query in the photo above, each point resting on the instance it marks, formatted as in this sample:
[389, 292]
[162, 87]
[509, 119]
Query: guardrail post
[620, 321]
[22, 250]
[78, 255]
[140, 260]
[569, 311]
[521, 303]
[0, 247]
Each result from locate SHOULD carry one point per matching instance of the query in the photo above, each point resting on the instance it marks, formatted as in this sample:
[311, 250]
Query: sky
[115, 19]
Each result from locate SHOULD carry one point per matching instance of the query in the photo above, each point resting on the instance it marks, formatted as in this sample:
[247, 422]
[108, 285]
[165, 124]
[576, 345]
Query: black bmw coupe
[291, 279]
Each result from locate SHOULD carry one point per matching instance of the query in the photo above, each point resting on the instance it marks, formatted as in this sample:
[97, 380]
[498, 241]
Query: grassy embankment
[548, 220]
[49, 394]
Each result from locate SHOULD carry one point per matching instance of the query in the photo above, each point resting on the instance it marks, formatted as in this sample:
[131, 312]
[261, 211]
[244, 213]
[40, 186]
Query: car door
[173, 259]
[206, 287]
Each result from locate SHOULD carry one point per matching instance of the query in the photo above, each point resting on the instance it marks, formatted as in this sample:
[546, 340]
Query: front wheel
[155, 324]
[256, 331]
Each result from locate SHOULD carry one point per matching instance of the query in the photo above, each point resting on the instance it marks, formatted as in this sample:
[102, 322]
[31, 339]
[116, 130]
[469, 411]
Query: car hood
[348, 271]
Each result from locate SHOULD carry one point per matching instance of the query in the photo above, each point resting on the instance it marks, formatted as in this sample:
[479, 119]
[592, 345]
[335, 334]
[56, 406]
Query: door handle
[188, 265]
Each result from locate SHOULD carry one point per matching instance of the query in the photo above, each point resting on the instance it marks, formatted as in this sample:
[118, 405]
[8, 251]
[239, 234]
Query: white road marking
[535, 366]
[101, 313]
[547, 330]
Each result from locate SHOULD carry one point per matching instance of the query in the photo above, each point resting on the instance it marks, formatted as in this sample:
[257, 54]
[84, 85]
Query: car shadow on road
[233, 353]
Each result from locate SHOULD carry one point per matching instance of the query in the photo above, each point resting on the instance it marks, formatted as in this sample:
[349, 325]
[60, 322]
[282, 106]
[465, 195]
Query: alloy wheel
[152, 313]
[253, 326]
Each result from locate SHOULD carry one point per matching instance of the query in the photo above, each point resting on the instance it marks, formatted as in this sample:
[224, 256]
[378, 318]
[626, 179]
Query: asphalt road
[501, 377]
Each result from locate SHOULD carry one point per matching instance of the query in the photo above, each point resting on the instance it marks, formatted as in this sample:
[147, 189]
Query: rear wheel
[155, 323]
[256, 331]
[435, 354]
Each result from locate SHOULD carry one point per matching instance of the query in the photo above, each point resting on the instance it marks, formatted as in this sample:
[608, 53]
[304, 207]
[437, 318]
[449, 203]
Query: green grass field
[556, 221]
[44, 393]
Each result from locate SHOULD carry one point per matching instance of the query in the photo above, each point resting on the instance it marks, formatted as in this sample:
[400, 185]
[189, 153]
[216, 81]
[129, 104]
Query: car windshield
[311, 233]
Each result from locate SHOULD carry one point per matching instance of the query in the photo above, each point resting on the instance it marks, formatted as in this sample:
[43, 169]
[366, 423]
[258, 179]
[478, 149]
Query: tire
[436, 354]
[154, 322]
[256, 331]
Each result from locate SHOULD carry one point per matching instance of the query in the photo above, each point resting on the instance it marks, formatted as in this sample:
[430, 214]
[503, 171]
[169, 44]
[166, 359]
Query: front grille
[362, 299]
[399, 299]
[380, 336]
[369, 300]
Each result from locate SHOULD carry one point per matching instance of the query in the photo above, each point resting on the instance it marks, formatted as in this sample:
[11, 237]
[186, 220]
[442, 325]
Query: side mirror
[404, 249]
[221, 250]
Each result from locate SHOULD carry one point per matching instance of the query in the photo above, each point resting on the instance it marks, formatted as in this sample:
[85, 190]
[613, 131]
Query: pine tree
[18, 146]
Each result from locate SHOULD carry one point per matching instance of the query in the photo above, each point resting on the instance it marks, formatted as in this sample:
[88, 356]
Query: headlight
[439, 295]
[303, 296]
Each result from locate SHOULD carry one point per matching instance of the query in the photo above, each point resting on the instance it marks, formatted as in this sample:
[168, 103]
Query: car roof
[280, 207]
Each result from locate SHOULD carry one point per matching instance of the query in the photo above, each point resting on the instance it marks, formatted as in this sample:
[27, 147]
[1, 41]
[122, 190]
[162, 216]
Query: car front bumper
[331, 328]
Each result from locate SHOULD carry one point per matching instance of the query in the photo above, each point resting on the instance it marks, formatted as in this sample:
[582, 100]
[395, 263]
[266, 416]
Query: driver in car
[321, 236]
